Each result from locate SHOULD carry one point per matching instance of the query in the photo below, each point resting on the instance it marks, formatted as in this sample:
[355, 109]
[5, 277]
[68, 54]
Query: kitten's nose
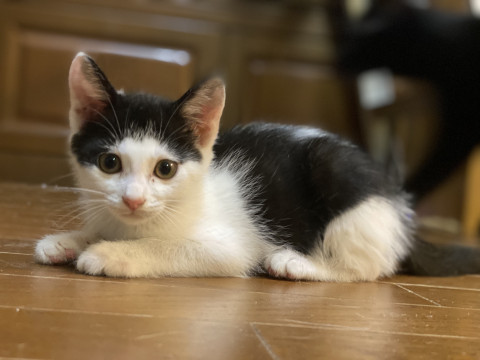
[133, 204]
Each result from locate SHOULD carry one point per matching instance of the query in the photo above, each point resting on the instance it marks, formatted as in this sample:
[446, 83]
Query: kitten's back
[307, 177]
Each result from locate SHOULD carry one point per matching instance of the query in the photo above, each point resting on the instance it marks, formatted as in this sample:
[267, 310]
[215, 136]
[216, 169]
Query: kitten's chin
[132, 218]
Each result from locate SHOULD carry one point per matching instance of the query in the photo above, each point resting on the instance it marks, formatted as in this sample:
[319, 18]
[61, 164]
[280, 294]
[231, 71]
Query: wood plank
[452, 282]
[460, 298]
[30, 212]
[9, 246]
[133, 298]
[471, 204]
[60, 335]
[340, 293]
[329, 342]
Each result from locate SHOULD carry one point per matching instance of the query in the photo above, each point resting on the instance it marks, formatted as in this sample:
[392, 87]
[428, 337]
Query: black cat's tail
[427, 259]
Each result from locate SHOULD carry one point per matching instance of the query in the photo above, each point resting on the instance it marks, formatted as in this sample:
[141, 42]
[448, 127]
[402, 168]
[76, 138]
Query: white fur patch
[194, 224]
[369, 240]
[362, 244]
[305, 133]
[215, 236]
[60, 248]
[288, 264]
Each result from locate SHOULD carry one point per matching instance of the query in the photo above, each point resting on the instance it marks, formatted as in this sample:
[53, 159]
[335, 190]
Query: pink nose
[133, 204]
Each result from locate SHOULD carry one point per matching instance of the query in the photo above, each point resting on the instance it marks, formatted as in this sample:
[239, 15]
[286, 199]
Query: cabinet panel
[43, 67]
[289, 77]
[297, 92]
[37, 83]
[139, 52]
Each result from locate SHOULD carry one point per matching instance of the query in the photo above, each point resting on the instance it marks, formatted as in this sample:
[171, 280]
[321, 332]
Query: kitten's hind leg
[60, 248]
[364, 243]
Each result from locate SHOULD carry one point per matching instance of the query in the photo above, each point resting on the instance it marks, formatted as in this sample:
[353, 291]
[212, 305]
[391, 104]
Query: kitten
[165, 195]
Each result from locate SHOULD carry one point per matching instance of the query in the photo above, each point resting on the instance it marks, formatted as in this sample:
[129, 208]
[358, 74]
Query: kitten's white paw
[288, 264]
[105, 258]
[57, 249]
[91, 263]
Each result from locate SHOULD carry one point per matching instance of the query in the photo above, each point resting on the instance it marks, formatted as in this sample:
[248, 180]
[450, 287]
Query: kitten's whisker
[107, 95]
[111, 129]
[165, 218]
[88, 201]
[114, 113]
[169, 214]
[171, 117]
[88, 214]
[58, 178]
[179, 129]
[171, 209]
[80, 190]
[80, 212]
[64, 221]
[126, 122]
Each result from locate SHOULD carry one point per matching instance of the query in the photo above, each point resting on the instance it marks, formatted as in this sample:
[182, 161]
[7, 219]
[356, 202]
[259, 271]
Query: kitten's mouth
[135, 216]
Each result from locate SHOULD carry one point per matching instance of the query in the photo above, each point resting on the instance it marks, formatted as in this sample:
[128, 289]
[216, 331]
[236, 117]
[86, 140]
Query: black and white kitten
[165, 195]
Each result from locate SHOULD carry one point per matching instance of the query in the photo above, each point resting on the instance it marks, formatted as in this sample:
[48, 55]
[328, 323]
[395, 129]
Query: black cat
[443, 48]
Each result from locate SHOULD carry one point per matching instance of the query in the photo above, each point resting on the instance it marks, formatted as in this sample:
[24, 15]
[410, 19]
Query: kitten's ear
[90, 91]
[202, 106]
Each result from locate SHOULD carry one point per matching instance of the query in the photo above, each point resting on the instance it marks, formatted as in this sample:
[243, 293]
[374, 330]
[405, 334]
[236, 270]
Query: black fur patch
[305, 182]
[135, 115]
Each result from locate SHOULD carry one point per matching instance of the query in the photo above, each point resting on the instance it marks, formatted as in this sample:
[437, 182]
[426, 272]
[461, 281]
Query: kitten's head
[139, 155]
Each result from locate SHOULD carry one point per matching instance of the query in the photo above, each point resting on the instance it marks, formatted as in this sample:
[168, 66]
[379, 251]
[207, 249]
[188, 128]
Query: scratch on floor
[324, 325]
[420, 296]
[434, 285]
[264, 343]
[15, 253]
[157, 335]
[71, 311]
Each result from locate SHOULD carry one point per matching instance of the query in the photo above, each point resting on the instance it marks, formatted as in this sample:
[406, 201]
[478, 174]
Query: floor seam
[332, 327]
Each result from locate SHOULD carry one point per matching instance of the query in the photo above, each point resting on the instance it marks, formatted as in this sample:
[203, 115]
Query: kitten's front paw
[288, 264]
[57, 249]
[91, 263]
[105, 258]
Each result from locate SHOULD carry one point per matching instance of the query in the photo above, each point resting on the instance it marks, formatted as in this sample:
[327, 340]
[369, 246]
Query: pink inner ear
[205, 109]
[84, 93]
[88, 106]
[207, 126]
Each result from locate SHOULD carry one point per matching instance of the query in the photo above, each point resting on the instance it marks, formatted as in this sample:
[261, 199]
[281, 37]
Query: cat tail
[427, 259]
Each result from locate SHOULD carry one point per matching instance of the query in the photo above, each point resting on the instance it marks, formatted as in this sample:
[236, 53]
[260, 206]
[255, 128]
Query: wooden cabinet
[277, 65]
[39, 41]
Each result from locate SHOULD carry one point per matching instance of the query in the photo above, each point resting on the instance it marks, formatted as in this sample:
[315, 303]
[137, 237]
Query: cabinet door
[291, 79]
[35, 57]
[300, 93]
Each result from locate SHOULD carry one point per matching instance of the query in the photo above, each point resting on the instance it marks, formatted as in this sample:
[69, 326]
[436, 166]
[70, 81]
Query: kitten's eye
[166, 169]
[109, 163]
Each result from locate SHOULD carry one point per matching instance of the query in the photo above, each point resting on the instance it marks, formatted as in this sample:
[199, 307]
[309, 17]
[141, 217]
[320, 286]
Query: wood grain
[56, 312]
[471, 204]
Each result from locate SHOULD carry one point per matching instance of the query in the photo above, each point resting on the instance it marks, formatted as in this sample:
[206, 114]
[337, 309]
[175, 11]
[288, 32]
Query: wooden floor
[54, 312]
